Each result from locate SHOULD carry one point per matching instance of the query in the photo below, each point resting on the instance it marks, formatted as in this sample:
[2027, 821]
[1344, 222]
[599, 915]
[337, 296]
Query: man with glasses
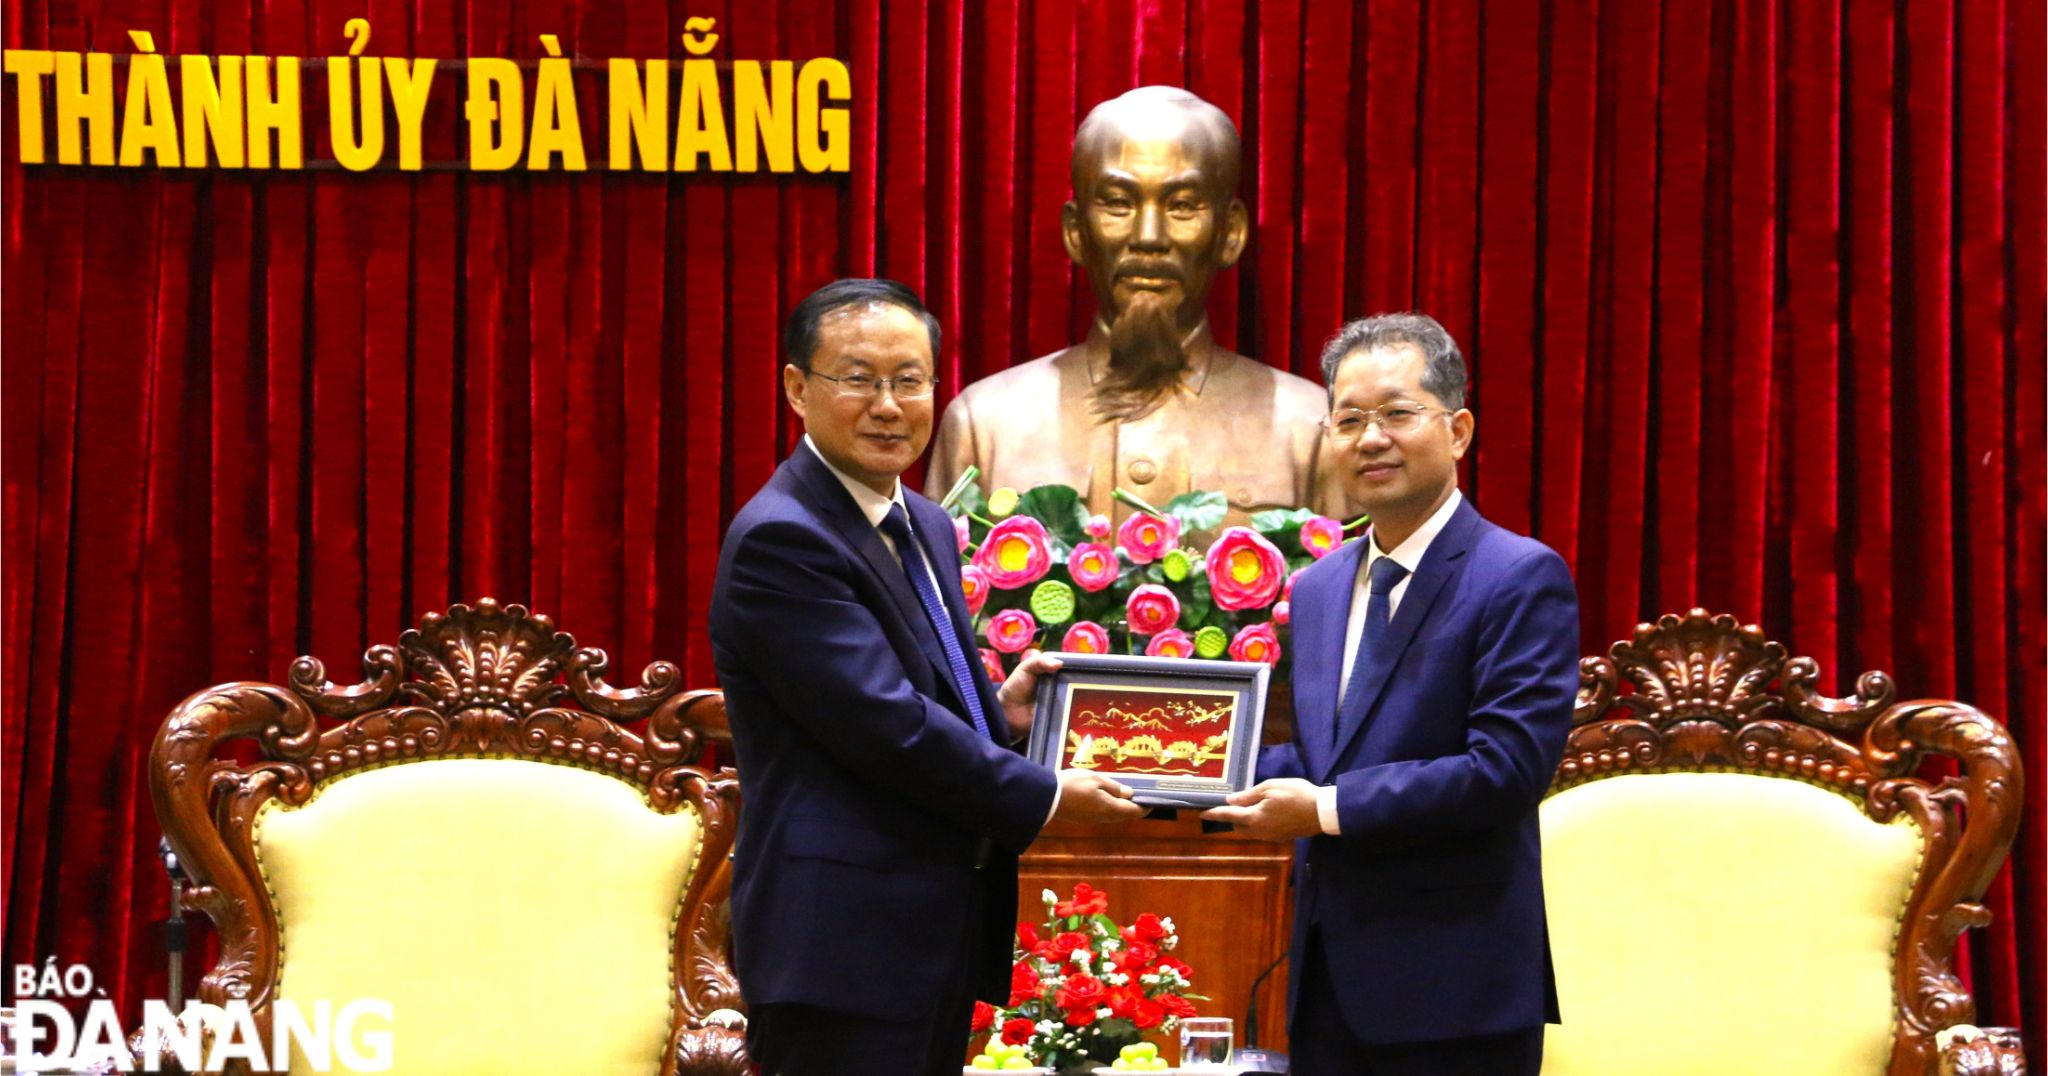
[874, 882]
[1435, 668]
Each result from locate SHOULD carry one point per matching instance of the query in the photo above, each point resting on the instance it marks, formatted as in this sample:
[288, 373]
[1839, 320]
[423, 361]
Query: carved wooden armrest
[714, 1046]
[1979, 1051]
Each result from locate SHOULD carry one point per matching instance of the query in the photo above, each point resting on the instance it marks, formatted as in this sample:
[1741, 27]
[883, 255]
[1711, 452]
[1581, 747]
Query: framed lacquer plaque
[1180, 732]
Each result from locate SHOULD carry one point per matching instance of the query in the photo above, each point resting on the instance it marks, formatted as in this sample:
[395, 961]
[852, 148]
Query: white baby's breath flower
[1112, 945]
[1116, 978]
[1102, 1013]
[1047, 896]
[1167, 922]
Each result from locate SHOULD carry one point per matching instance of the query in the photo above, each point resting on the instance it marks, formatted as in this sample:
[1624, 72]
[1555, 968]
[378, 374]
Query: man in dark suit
[874, 882]
[1435, 667]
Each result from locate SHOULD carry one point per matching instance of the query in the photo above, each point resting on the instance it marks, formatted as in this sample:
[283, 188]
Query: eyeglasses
[1350, 424]
[868, 386]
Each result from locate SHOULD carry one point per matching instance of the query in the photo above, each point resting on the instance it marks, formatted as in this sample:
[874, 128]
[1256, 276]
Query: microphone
[174, 927]
[1255, 1059]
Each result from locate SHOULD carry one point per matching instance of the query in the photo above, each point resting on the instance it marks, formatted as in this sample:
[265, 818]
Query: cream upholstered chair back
[1746, 876]
[474, 838]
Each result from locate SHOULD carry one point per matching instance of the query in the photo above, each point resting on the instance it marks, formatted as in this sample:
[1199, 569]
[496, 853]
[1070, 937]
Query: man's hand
[1281, 809]
[1087, 796]
[1019, 693]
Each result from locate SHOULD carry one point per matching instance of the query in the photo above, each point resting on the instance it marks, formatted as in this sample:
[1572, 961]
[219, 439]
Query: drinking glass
[1205, 1043]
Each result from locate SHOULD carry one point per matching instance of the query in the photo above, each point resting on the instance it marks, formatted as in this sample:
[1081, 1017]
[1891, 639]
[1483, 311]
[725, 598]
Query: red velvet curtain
[1753, 293]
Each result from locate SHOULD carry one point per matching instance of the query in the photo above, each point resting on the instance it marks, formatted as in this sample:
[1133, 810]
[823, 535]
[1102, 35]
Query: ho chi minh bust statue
[1149, 401]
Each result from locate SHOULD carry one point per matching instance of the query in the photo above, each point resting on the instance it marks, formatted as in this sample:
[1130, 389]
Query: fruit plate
[970, 1070]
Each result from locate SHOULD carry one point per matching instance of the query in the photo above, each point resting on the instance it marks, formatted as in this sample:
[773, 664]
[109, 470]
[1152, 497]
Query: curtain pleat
[1752, 292]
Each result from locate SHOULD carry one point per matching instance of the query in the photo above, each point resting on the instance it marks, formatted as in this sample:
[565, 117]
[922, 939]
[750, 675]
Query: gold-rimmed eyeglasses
[1350, 424]
[912, 386]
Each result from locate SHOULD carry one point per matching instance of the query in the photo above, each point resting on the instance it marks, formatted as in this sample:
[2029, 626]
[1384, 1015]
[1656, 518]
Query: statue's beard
[1146, 358]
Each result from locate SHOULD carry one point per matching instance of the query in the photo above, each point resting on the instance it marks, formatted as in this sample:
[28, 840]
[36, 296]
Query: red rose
[1186, 973]
[1146, 1013]
[1027, 938]
[1080, 1017]
[1148, 928]
[1087, 901]
[1081, 992]
[1175, 1005]
[1017, 1031]
[1136, 955]
[1066, 943]
[984, 1016]
[1023, 983]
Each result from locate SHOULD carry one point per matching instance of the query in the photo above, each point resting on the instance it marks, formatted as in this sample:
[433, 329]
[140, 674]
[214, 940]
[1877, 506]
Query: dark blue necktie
[897, 526]
[1385, 574]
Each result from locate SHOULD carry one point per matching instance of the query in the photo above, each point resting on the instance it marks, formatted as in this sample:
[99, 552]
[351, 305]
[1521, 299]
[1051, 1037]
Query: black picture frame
[1175, 695]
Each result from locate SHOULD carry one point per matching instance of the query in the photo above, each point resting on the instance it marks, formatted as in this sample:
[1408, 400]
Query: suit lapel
[1441, 562]
[835, 506]
[1329, 609]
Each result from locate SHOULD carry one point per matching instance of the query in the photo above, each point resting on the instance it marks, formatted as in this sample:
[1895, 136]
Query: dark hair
[1443, 373]
[800, 332]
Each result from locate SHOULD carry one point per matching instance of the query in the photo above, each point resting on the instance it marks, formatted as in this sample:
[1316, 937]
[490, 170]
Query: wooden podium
[1227, 896]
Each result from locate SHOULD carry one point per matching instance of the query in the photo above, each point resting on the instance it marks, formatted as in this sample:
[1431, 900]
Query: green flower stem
[1367, 518]
[959, 486]
[979, 520]
[1134, 501]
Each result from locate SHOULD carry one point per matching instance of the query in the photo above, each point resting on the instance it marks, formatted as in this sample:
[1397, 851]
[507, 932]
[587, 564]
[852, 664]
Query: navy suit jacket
[869, 797]
[1430, 903]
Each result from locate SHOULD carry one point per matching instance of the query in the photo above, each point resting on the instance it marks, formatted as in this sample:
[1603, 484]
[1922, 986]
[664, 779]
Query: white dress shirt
[1408, 555]
[877, 508]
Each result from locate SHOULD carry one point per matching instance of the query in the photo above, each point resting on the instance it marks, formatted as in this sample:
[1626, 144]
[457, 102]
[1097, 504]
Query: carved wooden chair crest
[474, 835]
[1745, 875]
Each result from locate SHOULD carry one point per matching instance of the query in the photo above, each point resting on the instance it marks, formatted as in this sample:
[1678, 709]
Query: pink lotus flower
[1011, 630]
[993, 663]
[974, 584]
[1282, 612]
[960, 532]
[1287, 592]
[1093, 566]
[1321, 535]
[1171, 643]
[1097, 526]
[1015, 554]
[1245, 570]
[1152, 609]
[1086, 637]
[1256, 643]
[1147, 537]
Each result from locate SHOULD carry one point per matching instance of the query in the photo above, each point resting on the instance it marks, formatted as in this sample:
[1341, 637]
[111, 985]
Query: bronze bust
[1149, 401]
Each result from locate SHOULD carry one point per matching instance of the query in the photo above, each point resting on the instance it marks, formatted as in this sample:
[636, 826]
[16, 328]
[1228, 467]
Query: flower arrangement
[1084, 987]
[1040, 572]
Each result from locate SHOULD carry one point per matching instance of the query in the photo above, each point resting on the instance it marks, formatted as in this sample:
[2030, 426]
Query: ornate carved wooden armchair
[1744, 875]
[532, 886]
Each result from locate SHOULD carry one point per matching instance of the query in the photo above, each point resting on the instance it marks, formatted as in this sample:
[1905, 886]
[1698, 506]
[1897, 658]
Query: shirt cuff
[1326, 808]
